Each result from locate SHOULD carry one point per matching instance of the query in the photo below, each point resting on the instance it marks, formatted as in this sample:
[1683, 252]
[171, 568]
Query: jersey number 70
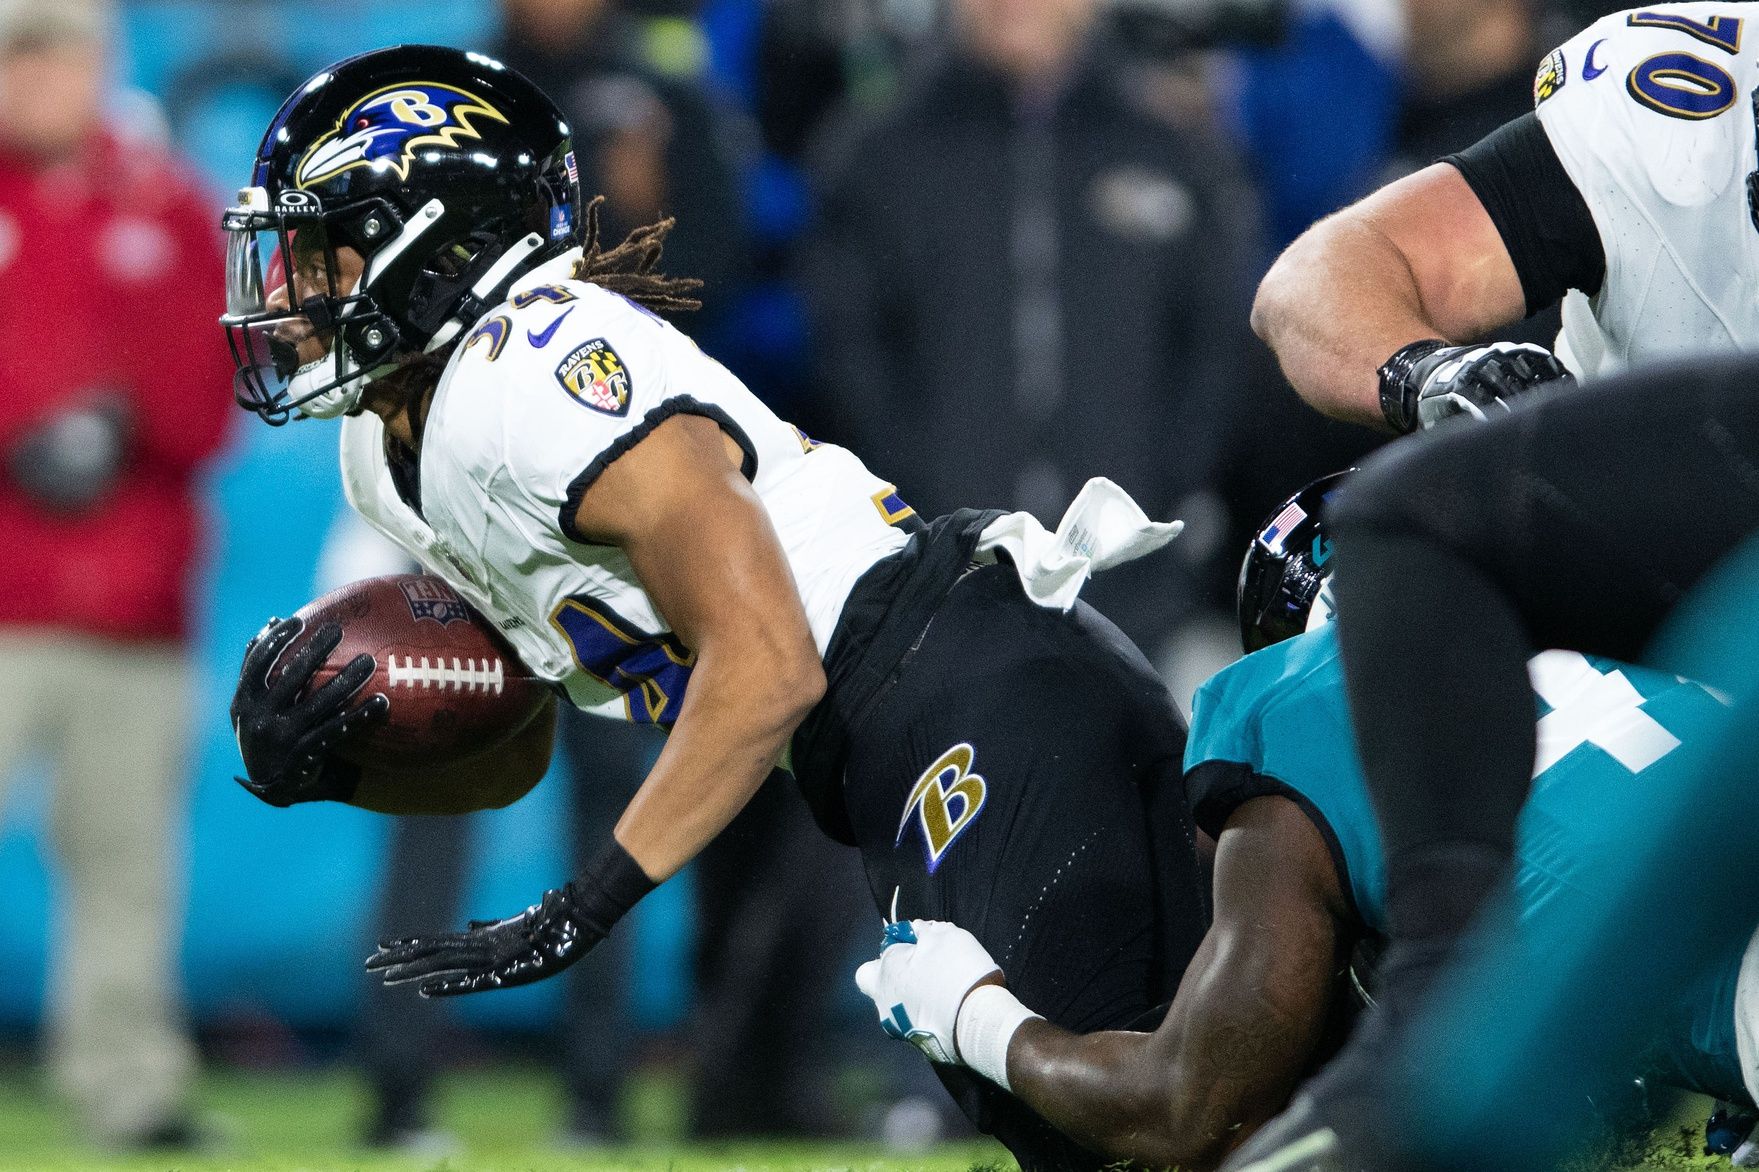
[1681, 84]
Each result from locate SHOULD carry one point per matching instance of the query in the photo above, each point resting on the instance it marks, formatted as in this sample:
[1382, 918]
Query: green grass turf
[506, 1120]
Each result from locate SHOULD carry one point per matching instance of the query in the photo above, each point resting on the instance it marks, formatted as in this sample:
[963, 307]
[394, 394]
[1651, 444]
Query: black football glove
[539, 942]
[286, 738]
[1427, 382]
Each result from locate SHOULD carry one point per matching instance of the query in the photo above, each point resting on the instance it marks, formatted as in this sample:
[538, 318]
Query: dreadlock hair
[627, 270]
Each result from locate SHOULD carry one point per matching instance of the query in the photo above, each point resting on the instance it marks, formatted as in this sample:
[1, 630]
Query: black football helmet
[448, 173]
[1286, 569]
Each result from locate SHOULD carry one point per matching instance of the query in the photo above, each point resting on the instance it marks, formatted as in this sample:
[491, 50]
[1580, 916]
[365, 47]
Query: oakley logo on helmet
[386, 128]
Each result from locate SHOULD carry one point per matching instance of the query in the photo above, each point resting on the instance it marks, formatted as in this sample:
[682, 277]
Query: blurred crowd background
[995, 246]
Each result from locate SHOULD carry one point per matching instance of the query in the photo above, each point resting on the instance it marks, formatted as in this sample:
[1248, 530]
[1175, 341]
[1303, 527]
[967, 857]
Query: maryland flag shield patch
[1553, 72]
[594, 375]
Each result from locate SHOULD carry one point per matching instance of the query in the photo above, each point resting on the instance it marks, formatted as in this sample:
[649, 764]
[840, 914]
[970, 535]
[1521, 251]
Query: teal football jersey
[1277, 723]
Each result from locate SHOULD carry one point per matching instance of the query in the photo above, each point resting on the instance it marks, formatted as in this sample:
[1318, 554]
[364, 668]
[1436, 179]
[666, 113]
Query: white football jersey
[546, 391]
[1650, 112]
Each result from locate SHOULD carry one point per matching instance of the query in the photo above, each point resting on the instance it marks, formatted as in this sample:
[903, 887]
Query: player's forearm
[1110, 1092]
[1335, 306]
[742, 706]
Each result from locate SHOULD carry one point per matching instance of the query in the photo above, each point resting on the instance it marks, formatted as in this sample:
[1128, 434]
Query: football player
[1628, 193]
[412, 256]
[1580, 520]
[1299, 884]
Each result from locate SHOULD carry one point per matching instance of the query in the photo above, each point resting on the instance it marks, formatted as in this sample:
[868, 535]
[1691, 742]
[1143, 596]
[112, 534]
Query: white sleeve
[598, 386]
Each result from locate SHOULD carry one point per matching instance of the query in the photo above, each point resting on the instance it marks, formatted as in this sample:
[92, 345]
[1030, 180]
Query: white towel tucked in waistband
[1102, 528]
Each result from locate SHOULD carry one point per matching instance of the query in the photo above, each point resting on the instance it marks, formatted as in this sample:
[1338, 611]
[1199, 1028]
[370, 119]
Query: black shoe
[179, 1133]
[588, 1128]
[171, 1135]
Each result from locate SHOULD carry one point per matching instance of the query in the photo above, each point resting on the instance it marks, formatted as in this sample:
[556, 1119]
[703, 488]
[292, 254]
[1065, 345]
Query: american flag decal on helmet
[1278, 529]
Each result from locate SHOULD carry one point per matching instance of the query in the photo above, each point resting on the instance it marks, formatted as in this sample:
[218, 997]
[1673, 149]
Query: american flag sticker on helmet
[573, 170]
[1278, 529]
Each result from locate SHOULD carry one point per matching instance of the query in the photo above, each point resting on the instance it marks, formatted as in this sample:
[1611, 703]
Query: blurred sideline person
[1023, 247]
[660, 146]
[112, 395]
[1299, 886]
[1468, 68]
[653, 145]
[656, 147]
[658, 544]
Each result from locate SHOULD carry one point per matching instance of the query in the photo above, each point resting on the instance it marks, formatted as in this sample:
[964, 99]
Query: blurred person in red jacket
[112, 394]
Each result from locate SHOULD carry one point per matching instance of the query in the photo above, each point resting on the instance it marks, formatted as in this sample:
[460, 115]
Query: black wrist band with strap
[1398, 390]
[612, 884]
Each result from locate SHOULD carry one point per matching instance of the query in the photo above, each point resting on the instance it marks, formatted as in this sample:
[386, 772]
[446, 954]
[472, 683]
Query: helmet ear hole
[369, 227]
[456, 258]
[372, 340]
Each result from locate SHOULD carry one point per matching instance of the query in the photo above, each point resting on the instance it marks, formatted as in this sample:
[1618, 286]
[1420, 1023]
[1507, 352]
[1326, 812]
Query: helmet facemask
[302, 312]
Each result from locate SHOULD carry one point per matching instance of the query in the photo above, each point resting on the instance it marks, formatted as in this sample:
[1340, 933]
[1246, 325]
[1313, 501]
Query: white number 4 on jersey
[1589, 707]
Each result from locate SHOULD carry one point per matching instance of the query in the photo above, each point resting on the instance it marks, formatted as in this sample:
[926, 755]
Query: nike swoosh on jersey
[1590, 71]
[538, 339]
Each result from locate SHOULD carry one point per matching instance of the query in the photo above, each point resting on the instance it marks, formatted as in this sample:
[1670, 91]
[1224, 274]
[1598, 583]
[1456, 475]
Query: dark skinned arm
[702, 545]
[1243, 1029]
[1420, 258]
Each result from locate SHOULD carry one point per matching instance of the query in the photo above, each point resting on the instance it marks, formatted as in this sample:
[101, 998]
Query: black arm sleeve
[1544, 222]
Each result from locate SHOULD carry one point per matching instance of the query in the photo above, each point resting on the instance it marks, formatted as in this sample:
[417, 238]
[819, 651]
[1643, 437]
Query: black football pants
[1577, 522]
[1020, 776]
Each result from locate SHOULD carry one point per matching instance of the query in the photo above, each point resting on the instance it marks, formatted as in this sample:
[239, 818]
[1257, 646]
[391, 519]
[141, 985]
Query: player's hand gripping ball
[287, 728]
[924, 972]
[1428, 382]
[398, 674]
[454, 688]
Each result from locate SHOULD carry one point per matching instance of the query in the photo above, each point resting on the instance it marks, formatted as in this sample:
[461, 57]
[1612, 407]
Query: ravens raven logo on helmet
[389, 125]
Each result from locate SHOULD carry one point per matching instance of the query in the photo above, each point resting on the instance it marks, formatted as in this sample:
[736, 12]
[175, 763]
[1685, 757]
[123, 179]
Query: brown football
[456, 688]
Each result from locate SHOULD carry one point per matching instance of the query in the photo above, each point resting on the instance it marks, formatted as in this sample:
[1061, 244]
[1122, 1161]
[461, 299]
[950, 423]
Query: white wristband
[986, 1025]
